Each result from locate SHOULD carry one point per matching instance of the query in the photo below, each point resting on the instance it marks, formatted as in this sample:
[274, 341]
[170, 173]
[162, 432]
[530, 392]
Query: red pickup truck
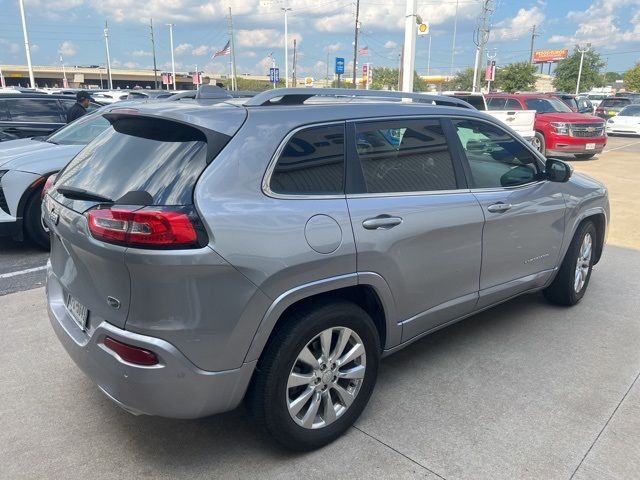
[558, 129]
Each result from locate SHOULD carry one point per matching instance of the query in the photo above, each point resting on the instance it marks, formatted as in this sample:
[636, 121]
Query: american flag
[363, 50]
[226, 50]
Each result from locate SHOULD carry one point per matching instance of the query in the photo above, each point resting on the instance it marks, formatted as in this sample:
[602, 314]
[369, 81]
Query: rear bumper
[174, 388]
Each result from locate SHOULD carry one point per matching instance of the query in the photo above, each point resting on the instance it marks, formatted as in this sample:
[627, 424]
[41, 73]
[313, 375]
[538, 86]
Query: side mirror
[557, 170]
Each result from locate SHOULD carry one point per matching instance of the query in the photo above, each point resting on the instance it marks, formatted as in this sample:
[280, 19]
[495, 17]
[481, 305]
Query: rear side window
[312, 163]
[117, 162]
[616, 102]
[476, 101]
[34, 110]
[512, 104]
[405, 156]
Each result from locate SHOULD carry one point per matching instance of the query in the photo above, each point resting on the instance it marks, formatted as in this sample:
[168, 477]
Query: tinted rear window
[615, 102]
[475, 100]
[34, 110]
[116, 163]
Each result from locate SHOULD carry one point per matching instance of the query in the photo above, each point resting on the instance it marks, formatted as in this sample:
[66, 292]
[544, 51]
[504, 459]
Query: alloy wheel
[583, 263]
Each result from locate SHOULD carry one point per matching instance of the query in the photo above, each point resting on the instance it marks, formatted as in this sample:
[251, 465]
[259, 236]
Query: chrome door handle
[381, 222]
[499, 207]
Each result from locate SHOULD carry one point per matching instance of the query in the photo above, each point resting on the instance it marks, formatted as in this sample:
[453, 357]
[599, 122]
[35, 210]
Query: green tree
[566, 75]
[632, 79]
[611, 77]
[462, 81]
[516, 77]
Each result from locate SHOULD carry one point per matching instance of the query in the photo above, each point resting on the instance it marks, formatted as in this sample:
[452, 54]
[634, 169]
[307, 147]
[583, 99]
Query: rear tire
[584, 156]
[304, 407]
[572, 279]
[539, 143]
[33, 223]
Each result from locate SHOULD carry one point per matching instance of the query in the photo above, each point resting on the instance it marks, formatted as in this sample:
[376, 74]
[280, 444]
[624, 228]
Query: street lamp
[582, 51]
[173, 63]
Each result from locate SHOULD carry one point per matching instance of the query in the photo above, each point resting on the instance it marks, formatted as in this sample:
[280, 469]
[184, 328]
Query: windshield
[615, 102]
[630, 111]
[80, 132]
[547, 105]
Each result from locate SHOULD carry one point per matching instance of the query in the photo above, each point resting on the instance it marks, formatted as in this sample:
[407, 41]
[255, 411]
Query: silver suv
[275, 248]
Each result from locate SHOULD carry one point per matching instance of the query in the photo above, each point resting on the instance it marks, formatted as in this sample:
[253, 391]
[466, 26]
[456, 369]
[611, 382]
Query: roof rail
[297, 96]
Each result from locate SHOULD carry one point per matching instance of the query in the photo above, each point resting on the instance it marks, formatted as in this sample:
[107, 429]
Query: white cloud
[201, 50]
[518, 26]
[67, 49]
[264, 38]
[13, 47]
[141, 53]
[249, 54]
[391, 45]
[334, 47]
[183, 49]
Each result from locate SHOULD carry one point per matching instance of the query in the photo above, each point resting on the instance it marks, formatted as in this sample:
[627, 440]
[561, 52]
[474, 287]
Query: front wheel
[539, 143]
[34, 226]
[572, 279]
[316, 375]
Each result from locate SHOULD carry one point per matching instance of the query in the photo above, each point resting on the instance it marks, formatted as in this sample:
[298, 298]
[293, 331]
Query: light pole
[173, 63]
[65, 84]
[409, 55]
[582, 52]
[286, 10]
[26, 45]
[429, 57]
[106, 42]
[273, 66]
[453, 44]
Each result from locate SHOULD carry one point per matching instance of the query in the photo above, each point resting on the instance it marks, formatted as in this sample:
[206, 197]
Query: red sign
[167, 79]
[197, 78]
[490, 75]
[542, 56]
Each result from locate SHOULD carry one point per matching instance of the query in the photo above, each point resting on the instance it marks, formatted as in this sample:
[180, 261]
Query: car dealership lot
[524, 390]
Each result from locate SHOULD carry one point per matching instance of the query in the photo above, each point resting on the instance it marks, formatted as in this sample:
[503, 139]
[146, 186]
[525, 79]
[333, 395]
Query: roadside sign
[542, 56]
[423, 29]
[167, 79]
[274, 75]
[308, 82]
[197, 78]
[339, 66]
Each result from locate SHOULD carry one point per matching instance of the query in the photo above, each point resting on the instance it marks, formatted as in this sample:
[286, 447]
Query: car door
[524, 213]
[414, 221]
[31, 117]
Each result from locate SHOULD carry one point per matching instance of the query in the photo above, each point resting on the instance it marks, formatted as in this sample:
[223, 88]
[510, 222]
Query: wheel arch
[33, 189]
[367, 290]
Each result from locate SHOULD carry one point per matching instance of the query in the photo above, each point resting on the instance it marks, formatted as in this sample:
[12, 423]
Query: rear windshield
[117, 163]
[476, 101]
[615, 102]
[546, 105]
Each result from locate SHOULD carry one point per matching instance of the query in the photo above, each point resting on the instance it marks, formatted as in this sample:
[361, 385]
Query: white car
[25, 165]
[627, 122]
[110, 96]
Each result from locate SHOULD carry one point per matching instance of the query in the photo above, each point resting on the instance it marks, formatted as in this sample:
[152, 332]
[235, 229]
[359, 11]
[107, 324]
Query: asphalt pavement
[525, 390]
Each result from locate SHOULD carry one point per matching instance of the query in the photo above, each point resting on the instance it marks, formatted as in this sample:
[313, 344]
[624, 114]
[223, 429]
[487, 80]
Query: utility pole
[173, 63]
[582, 51]
[232, 59]
[286, 10]
[294, 80]
[26, 45]
[65, 84]
[533, 38]
[106, 43]
[153, 49]
[400, 53]
[453, 45]
[482, 37]
[429, 57]
[355, 45]
[409, 52]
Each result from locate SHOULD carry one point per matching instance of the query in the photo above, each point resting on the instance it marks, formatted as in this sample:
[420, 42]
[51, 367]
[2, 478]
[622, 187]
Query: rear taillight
[131, 353]
[600, 110]
[151, 227]
[48, 184]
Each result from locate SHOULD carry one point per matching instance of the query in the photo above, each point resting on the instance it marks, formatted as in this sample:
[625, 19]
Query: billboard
[542, 56]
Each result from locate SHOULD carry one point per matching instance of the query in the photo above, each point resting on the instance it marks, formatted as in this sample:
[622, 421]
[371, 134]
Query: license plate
[590, 146]
[611, 112]
[78, 311]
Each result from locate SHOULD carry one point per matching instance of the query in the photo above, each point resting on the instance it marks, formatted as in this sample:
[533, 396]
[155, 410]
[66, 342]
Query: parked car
[558, 129]
[573, 103]
[275, 249]
[611, 106]
[149, 94]
[633, 96]
[627, 122]
[508, 112]
[108, 97]
[595, 97]
[24, 115]
[26, 164]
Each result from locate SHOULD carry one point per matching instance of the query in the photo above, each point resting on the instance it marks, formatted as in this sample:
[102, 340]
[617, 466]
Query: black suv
[25, 115]
[611, 106]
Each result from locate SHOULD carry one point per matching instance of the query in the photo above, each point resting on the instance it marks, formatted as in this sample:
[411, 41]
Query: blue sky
[321, 27]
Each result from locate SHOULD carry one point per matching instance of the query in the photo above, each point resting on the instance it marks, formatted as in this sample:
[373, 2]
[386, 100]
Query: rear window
[117, 163]
[615, 102]
[34, 110]
[476, 101]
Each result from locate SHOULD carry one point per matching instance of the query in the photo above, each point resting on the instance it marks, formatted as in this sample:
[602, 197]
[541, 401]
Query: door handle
[499, 207]
[381, 222]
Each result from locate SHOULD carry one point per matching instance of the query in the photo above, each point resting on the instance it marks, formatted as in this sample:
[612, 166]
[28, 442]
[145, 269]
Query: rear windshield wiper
[74, 193]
